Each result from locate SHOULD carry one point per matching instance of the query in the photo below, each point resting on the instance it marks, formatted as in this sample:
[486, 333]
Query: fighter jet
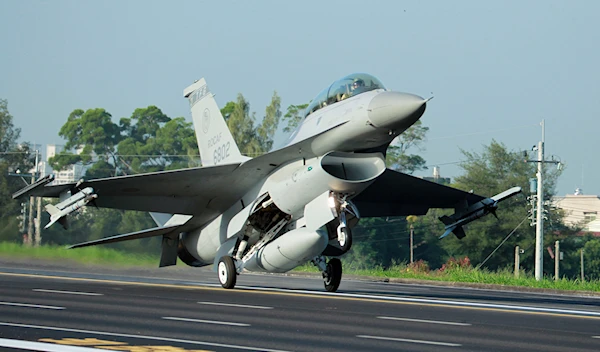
[294, 205]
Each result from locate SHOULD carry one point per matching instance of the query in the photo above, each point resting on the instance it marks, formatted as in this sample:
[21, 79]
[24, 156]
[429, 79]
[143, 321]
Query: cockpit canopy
[344, 88]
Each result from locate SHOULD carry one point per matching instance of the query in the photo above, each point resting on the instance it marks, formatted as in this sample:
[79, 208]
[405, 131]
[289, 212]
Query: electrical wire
[501, 243]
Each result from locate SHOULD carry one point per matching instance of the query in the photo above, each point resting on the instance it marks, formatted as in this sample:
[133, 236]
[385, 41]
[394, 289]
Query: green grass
[107, 256]
[86, 255]
[470, 275]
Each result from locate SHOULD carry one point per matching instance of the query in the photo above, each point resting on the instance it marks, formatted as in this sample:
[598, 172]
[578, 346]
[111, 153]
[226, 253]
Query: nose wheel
[227, 272]
[332, 276]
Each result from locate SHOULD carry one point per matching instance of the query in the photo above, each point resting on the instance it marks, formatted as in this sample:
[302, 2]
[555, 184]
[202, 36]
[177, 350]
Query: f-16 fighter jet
[294, 205]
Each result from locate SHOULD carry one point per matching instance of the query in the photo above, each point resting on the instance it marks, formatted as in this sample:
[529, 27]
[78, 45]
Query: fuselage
[358, 127]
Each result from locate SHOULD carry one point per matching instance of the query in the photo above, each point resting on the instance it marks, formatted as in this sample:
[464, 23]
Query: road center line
[424, 342]
[68, 292]
[154, 338]
[426, 321]
[29, 305]
[206, 321]
[42, 346]
[234, 305]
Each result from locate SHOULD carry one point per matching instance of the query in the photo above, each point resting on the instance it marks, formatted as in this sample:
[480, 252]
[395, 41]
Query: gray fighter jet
[295, 204]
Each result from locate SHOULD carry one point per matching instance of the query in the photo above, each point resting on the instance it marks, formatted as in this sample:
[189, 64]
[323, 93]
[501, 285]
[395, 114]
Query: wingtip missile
[59, 212]
[454, 223]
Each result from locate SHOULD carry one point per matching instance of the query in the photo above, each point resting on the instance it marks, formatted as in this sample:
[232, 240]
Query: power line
[501, 243]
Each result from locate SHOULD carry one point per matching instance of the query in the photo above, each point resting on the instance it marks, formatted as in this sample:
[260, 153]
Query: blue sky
[496, 69]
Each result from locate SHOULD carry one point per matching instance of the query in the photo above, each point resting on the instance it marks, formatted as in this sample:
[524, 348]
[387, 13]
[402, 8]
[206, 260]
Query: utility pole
[31, 200]
[517, 261]
[539, 229]
[556, 259]
[38, 219]
[539, 198]
[411, 242]
[582, 276]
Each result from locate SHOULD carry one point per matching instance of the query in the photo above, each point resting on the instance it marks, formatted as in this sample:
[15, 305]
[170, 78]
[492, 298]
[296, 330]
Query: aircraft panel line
[234, 305]
[425, 321]
[206, 321]
[425, 342]
[136, 336]
[27, 305]
[68, 292]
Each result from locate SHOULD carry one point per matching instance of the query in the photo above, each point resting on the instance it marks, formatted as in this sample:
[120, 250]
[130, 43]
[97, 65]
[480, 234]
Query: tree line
[149, 140]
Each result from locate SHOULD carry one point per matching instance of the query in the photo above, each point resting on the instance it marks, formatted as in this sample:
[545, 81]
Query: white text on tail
[215, 141]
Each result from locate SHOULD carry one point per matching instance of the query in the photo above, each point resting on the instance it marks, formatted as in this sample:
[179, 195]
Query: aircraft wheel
[333, 275]
[227, 272]
[346, 239]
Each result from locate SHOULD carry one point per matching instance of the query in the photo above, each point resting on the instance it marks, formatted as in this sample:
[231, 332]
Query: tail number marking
[221, 153]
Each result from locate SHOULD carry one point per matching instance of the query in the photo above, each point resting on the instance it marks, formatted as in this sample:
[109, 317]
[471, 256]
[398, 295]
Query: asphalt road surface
[45, 307]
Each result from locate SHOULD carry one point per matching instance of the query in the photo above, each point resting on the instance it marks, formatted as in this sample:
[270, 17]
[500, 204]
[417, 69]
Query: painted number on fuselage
[221, 153]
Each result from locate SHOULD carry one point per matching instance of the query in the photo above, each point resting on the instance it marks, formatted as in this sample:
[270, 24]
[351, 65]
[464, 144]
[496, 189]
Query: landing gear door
[318, 212]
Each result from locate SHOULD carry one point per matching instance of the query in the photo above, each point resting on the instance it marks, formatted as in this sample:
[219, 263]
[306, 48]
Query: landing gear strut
[227, 272]
[332, 272]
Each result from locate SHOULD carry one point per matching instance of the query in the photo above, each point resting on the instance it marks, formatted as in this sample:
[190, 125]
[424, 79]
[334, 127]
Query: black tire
[333, 275]
[226, 272]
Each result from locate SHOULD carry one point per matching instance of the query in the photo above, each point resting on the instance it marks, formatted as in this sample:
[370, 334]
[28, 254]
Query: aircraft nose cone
[395, 109]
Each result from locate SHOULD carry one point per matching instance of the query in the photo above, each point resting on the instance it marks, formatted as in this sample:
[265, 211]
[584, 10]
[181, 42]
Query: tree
[13, 157]
[267, 128]
[397, 153]
[495, 170]
[252, 140]
[93, 133]
[293, 116]
[241, 124]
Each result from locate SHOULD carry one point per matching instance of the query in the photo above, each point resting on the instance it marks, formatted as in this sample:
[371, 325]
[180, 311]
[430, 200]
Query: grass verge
[469, 275]
[86, 255]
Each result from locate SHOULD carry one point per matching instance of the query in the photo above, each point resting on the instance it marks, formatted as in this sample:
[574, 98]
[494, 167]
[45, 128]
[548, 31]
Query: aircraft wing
[203, 192]
[397, 194]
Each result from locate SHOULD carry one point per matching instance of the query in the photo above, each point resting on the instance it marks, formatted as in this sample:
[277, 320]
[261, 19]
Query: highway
[63, 308]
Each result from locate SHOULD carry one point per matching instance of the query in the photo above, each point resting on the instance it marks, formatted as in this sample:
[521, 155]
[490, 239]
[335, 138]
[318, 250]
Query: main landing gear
[331, 270]
[227, 272]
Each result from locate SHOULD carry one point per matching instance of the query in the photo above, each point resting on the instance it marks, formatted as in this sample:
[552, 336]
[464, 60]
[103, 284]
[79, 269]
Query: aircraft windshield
[344, 88]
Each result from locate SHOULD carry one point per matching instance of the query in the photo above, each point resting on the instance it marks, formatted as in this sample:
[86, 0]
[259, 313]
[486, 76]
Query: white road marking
[426, 321]
[234, 305]
[425, 342]
[29, 305]
[42, 346]
[206, 321]
[154, 338]
[68, 292]
[430, 301]
[596, 337]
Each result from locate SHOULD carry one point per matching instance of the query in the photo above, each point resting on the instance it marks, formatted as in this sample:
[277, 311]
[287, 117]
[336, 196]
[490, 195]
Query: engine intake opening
[352, 167]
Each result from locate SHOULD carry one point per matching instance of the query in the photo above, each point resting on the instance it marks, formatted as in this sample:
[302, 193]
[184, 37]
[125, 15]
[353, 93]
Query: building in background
[70, 174]
[580, 210]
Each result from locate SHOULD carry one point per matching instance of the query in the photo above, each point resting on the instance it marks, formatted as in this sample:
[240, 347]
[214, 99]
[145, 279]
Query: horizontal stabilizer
[156, 231]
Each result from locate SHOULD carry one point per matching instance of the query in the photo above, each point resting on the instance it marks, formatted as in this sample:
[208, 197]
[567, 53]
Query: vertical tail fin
[215, 141]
